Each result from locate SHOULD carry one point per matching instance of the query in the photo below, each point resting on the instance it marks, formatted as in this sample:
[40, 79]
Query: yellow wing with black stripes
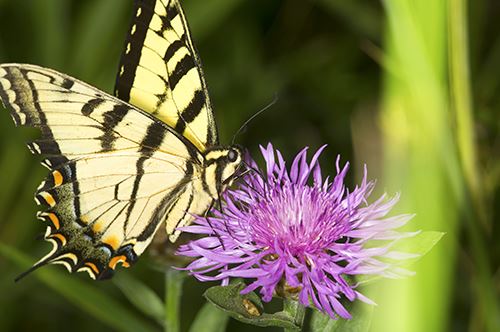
[160, 72]
[116, 172]
[120, 167]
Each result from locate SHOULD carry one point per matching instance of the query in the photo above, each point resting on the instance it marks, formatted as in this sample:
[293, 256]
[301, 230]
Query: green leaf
[360, 322]
[140, 295]
[86, 297]
[321, 322]
[209, 319]
[246, 308]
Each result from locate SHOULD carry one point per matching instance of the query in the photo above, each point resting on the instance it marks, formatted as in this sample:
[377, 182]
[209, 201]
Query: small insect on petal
[251, 309]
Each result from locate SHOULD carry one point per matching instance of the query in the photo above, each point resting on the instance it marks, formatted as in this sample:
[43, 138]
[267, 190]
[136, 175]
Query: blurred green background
[409, 87]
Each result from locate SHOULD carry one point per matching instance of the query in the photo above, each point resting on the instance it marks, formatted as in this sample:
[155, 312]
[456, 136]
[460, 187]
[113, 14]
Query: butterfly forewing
[115, 172]
[160, 72]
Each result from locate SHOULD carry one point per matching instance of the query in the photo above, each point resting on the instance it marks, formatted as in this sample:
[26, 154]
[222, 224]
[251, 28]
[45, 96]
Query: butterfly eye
[232, 155]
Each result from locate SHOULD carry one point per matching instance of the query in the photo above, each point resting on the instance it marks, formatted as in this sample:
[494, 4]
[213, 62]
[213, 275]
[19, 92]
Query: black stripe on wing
[125, 79]
[168, 204]
[179, 38]
[152, 141]
[191, 111]
[74, 244]
[185, 65]
[111, 119]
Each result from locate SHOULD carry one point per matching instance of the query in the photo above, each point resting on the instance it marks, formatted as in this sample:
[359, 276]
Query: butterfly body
[121, 167]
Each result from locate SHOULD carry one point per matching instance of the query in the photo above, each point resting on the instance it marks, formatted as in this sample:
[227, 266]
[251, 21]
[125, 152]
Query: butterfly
[121, 167]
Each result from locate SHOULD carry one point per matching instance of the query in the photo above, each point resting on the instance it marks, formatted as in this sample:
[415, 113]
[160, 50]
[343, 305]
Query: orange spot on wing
[61, 237]
[98, 226]
[58, 178]
[55, 221]
[93, 267]
[118, 259]
[84, 218]
[49, 199]
[112, 241]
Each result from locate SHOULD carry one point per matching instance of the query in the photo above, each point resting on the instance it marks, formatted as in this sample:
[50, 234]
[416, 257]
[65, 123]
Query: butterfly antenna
[239, 176]
[249, 169]
[243, 126]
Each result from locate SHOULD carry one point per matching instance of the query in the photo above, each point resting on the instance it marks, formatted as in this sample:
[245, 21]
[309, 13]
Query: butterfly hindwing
[115, 172]
[160, 72]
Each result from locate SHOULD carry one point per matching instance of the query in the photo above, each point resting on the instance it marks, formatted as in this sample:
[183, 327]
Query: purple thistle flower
[277, 229]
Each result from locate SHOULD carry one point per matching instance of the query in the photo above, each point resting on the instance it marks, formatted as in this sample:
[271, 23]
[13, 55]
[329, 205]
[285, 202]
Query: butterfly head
[221, 165]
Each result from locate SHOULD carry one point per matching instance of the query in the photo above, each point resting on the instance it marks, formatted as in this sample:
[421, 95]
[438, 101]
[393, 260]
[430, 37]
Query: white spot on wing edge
[71, 256]
[15, 118]
[173, 237]
[18, 117]
[41, 185]
[54, 246]
[5, 83]
[41, 215]
[11, 96]
[66, 265]
[46, 163]
[88, 270]
[34, 148]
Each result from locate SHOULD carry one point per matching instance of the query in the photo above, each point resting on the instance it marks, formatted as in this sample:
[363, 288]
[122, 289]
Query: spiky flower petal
[297, 232]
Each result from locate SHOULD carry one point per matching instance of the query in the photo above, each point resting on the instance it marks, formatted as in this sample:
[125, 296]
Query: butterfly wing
[115, 172]
[160, 72]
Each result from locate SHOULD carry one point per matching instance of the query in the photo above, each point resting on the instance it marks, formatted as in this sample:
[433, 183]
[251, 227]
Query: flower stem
[461, 97]
[173, 292]
[295, 310]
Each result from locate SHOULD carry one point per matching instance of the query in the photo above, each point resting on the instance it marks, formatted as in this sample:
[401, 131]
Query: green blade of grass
[86, 297]
[173, 294]
[209, 319]
[461, 96]
[140, 295]
[421, 161]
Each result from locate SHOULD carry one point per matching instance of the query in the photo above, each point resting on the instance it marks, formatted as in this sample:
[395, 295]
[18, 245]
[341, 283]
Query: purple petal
[278, 229]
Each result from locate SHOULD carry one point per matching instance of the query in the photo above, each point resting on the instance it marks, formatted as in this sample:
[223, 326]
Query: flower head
[296, 231]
